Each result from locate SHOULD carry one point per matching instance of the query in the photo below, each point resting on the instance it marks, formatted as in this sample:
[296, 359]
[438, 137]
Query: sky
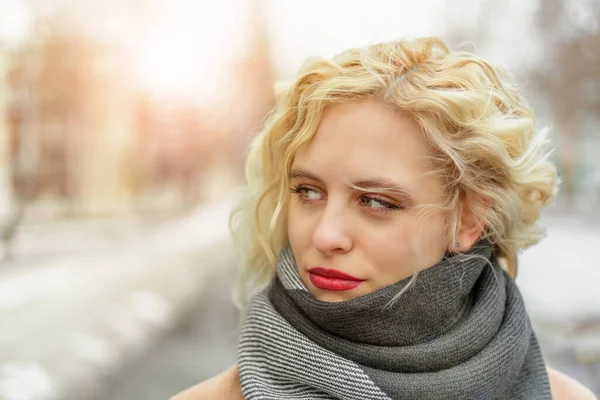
[15, 21]
[323, 28]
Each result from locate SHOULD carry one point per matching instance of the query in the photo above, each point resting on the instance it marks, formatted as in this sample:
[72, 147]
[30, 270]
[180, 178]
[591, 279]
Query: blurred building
[90, 137]
[5, 144]
[71, 119]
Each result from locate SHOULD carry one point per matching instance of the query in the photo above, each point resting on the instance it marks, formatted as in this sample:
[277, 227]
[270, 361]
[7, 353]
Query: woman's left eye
[377, 204]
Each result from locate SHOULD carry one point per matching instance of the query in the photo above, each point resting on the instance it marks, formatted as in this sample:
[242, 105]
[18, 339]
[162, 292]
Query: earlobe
[471, 227]
[467, 238]
[470, 232]
[456, 247]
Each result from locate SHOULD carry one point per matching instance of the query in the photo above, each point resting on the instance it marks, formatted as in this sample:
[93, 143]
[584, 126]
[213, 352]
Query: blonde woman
[389, 193]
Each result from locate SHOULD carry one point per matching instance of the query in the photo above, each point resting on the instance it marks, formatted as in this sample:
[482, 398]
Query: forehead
[367, 138]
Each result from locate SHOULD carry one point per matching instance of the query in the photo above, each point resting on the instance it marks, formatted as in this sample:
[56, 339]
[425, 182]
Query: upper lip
[332, 273]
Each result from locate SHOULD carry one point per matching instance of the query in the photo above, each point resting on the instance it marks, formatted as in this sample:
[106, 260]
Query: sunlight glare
[187, 51]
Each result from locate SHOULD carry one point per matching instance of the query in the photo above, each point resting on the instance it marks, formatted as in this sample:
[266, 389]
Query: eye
[306, 194]
[373, 204]
[310, 194]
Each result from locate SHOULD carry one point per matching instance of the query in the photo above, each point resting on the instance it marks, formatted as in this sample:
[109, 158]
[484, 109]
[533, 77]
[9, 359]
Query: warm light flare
[187, 51]
[169, 64]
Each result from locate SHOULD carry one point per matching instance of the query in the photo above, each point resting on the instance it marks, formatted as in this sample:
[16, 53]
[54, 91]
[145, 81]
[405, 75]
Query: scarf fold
[460, 331]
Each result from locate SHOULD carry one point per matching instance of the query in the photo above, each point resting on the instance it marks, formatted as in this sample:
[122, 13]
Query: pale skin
[370, 233]
[375, 234]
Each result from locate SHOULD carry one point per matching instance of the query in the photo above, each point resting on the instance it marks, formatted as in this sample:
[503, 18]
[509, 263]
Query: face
[353, 220]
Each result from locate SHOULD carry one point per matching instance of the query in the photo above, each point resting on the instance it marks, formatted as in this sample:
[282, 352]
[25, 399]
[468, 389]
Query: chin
[329, 296]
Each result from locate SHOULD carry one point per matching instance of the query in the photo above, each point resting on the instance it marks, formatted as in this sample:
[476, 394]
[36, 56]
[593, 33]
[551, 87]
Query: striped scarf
[459, 332]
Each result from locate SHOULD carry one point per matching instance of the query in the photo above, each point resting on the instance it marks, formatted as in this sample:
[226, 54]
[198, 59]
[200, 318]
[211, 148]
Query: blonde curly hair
[485, 146]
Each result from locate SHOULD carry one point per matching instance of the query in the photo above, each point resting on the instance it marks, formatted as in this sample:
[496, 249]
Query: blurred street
[559, 281]
[203, 344]
[67, 326]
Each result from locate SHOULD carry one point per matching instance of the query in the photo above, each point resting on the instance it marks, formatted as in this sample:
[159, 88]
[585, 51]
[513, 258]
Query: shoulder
[226, 385]
[566, 388]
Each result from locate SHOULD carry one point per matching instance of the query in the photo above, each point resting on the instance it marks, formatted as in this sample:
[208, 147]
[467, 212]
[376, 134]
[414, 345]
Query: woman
[388, 195]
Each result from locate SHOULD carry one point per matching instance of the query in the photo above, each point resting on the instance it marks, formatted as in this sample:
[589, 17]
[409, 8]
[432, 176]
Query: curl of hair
[485, 147]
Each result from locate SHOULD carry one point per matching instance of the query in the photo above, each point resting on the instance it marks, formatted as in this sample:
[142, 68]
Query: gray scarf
[459, 332]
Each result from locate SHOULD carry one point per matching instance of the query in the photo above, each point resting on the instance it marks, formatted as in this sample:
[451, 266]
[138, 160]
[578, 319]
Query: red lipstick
[331, 279]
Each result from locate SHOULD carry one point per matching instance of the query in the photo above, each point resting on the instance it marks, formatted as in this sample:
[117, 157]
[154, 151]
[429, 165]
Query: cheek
[408, 244]
[430, 241]
[298, 227]
[391, 245]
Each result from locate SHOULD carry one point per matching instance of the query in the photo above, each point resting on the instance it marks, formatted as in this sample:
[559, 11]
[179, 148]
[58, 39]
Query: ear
[474, 214]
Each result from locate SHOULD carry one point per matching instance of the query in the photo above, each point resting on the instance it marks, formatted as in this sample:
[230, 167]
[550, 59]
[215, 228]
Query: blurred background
[123, 129]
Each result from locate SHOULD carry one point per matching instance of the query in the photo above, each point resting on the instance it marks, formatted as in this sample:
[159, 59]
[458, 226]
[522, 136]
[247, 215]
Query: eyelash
[387, 206]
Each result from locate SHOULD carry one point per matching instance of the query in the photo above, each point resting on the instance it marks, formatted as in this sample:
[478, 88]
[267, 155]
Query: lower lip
[336, 284]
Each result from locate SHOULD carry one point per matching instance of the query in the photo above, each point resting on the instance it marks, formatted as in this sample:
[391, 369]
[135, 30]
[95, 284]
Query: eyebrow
[372, 184]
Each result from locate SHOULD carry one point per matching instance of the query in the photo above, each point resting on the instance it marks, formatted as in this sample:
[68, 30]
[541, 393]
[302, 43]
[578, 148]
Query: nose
[331, 235]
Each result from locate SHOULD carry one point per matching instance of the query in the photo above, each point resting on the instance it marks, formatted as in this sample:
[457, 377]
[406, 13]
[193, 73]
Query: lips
[331, 279]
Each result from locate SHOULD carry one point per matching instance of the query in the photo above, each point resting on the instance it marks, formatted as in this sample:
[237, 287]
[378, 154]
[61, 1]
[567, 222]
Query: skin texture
[376, 235]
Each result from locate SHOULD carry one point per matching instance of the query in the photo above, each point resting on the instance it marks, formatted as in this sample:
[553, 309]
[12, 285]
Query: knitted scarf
[460, 331]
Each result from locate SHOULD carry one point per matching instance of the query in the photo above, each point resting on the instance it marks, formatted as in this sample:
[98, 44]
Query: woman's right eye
[306, 194]
[312, 194]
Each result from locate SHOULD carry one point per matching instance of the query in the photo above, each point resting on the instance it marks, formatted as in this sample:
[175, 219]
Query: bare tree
[572, 67]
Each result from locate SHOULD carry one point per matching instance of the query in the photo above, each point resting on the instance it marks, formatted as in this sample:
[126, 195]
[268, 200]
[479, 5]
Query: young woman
[388, 195]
